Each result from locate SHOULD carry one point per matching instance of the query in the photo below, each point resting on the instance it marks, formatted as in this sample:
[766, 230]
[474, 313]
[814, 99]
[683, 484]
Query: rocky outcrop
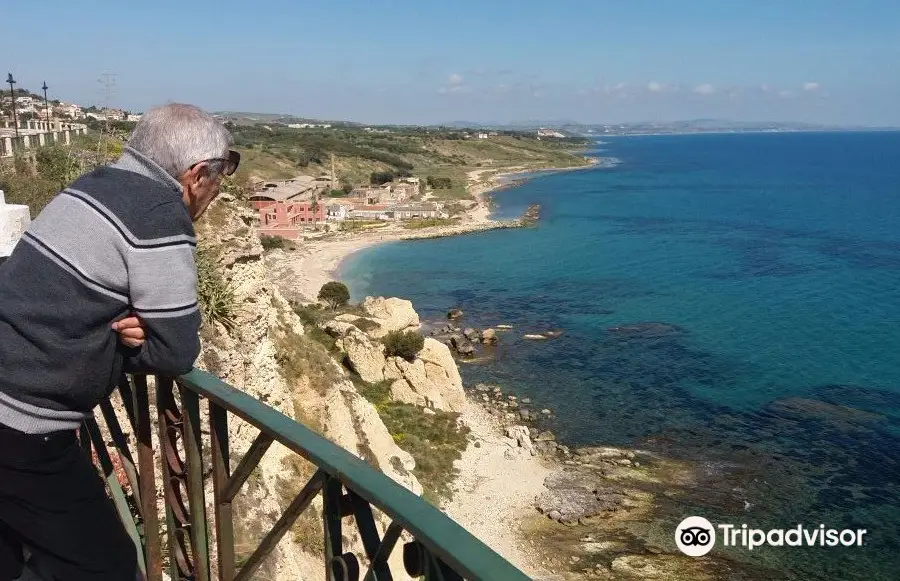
[364, 356]
[352, 422]
[432, 380]
[255, 355]
[391, 314]
[489, 336]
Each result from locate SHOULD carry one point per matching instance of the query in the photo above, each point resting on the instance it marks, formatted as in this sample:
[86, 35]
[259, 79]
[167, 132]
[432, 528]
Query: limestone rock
[520, 435]
[365, 357]
[442, 372]
[337, 328]
[454, 314]
[352, 422]
[489, 336]
[431, 380]
[391, 314]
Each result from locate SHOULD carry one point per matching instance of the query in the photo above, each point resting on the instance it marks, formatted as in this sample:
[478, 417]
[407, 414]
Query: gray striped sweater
[118, 240]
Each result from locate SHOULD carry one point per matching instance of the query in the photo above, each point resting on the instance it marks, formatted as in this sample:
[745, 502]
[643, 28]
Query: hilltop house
[70, 110]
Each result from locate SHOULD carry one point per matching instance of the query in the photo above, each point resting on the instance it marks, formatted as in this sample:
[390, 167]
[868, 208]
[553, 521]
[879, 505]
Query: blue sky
[382, 61]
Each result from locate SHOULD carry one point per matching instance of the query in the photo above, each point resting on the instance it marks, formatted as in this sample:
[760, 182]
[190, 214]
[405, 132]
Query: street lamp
[12, 93]
[46, 106]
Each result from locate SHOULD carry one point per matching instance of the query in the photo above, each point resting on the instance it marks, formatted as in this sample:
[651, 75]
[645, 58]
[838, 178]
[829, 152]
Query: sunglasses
[229, 164]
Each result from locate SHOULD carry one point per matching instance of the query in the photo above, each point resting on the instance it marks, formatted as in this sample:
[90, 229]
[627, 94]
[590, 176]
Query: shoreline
[319, 260]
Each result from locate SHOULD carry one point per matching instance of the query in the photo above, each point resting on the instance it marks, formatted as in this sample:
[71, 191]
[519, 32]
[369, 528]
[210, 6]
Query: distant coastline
[319, 260]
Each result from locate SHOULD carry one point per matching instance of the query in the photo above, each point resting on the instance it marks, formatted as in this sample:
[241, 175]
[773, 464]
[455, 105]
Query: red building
[287, 218]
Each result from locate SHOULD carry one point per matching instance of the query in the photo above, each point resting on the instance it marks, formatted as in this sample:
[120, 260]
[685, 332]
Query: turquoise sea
[772, 262]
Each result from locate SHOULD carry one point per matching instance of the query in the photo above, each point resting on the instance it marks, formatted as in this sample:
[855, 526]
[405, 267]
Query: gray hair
[177, 136]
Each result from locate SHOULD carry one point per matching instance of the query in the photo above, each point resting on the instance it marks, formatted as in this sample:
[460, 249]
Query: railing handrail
[435, 530]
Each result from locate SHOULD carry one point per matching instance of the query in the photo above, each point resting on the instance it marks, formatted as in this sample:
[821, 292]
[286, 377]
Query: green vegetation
[35, 184]
[304, 356]
[439, 183]
[403, 344]
[418, 223]
[446, 156]
[272, 242]
[376, 178]
[216, 295]
[434, 441]
[336, 294]
[353, 225]
[337, 194]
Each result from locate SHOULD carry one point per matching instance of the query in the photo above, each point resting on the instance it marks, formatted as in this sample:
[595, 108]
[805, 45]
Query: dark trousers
[53, 502]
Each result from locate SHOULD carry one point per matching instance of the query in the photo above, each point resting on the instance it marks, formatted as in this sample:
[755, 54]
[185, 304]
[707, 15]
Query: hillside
[279, 152]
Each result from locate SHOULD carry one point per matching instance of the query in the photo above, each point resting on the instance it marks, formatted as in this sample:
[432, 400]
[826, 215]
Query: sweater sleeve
[162, 279]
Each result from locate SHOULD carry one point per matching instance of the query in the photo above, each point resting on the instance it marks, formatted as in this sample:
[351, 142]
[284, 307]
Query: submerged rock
[471, 334]
[647, 330]
[576, 495]
[454, 314]
[534, 337]
[489, 336]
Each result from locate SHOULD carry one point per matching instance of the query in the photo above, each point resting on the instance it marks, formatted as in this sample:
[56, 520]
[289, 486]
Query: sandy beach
[317, 260]
[494, 492]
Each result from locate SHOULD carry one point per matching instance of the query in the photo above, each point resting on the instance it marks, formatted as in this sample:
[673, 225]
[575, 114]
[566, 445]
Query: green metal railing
[441, 549]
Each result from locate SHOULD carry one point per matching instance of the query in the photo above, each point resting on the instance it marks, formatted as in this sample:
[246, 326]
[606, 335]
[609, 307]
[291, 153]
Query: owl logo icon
[695, 536]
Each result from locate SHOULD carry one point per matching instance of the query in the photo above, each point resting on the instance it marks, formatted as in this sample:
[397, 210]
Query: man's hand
[131, 331]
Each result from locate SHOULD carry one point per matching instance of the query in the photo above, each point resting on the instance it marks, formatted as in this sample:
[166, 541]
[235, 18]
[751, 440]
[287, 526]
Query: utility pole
[46, 106]
[108, 80]
[12, 93]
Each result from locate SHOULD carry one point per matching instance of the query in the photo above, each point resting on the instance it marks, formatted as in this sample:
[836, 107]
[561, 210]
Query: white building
[549, 133]
[338, 212]
[69, 110]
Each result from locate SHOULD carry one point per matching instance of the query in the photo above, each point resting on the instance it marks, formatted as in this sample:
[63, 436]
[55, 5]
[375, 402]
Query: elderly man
[102, 281]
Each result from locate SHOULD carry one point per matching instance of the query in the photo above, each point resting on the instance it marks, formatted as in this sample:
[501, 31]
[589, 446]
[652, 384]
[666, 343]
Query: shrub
[336, 294]
[403, 344]
[272, 242]
[337, 194]
[215, 293]
[381, 177]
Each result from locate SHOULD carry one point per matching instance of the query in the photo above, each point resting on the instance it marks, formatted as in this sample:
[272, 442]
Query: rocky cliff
[260, 345]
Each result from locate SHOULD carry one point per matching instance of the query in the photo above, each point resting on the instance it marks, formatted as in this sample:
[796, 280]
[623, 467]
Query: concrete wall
[13, 221]
[36, 133]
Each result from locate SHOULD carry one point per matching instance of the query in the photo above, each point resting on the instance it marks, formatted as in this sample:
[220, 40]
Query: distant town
[290, 208]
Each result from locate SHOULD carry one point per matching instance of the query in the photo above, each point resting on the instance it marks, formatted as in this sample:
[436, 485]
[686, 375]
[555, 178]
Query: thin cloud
[655, 87]
[455, 79]
[455, 90]
[811, 86]
[705, 89]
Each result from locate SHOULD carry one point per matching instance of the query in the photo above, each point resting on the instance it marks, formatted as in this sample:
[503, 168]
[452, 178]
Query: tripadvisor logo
[696, 536]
